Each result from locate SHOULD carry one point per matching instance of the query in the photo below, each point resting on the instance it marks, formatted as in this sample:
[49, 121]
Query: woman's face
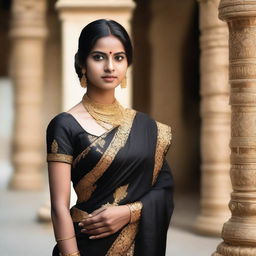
[106, 64]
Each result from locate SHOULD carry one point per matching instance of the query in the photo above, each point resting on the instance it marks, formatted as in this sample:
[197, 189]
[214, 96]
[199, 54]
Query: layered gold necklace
[104, 113]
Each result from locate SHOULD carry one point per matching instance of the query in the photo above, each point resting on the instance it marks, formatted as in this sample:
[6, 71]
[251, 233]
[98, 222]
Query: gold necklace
[103, 113]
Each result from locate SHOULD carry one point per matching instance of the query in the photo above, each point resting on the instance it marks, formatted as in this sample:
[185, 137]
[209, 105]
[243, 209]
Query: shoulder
[60, 120]
[148, 118]
[60, 124]
[164, 131]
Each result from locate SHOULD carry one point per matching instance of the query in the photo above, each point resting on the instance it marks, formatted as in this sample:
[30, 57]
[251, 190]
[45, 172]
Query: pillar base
[210, 225]
[44, 213]
[29, 181]
[230, 250]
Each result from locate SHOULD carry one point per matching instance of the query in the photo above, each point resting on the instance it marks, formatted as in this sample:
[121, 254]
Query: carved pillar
[28, 33]
[239, 233]
[215, 114]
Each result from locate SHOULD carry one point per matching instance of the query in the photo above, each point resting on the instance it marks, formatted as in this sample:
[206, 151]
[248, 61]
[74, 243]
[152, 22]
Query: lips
[109, 78]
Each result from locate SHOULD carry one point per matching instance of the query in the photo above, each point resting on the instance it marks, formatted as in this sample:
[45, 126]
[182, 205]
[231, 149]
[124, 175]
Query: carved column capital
[28, 18]
[236, 9]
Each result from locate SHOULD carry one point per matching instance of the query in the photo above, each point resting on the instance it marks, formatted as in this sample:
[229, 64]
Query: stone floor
[22, 235]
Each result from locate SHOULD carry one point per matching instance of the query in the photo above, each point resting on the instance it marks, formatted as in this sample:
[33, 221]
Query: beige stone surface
[216, 117]
[28, 32]
[172, 76]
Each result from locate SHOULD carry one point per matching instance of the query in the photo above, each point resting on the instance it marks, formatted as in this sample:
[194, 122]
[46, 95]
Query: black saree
[124, 165]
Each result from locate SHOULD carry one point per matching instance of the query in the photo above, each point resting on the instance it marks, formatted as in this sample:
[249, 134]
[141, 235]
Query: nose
[109, 67]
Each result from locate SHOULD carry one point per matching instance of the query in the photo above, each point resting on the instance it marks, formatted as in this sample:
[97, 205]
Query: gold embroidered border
[131, 250]
[135, 209]
[164, 137]
[86, 151]
[124, 244]
[59, 158]
[77, 214]
[119, 194]
[86, 185]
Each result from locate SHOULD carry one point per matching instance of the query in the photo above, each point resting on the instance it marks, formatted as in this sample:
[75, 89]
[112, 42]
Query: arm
[59, 184]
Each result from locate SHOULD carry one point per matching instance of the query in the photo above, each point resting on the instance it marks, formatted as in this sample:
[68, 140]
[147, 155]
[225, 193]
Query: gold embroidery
[131, 250]
[99, 150]
[119, 194]
[91, 138]
[86, 151]
[100, 143]
[122, 245]
[135, 209]
[59, 158]
[77, 214]
[54, 147]
[86, 185]
[164, 137]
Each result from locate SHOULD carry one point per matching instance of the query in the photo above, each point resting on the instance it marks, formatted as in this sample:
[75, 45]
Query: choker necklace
[104, 113]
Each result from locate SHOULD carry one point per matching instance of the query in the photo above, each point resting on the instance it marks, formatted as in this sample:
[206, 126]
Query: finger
[94, 226]
[101, 209]
[91, 221]
[97, 231]
[100, 236]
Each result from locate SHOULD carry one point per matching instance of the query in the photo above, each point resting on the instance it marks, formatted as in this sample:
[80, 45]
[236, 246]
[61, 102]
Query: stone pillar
[28, 33]
[74, 15]
[215, 114]
[239, 232]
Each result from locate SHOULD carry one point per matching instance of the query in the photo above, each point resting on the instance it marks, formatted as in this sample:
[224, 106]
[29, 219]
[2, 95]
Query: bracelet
[135, 209]
[62, 239]
[73, 254]
[77, 253]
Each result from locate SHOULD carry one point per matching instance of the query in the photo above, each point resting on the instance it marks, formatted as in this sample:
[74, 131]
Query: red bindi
[110, 52]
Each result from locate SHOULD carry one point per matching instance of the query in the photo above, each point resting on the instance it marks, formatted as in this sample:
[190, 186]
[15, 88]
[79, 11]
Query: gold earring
[83, 80]
[123, 83]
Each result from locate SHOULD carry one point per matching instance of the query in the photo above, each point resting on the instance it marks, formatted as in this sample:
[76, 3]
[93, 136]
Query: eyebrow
[117, 53]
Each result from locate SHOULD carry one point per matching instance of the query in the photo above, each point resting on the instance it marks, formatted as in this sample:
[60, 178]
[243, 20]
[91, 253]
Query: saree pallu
[124, 165]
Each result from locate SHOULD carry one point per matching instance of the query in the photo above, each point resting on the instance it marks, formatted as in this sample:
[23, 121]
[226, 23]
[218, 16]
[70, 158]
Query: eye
[119, 57]
[98, 57]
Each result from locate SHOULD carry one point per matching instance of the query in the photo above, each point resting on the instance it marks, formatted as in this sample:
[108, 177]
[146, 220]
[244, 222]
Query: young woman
[114, 156]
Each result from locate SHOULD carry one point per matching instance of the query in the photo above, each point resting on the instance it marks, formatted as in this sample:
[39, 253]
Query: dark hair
[96, 30]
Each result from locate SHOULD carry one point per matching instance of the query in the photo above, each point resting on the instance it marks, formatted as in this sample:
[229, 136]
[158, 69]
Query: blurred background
[179, 77]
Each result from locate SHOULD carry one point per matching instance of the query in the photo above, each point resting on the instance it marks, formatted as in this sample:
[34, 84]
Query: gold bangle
[77, 253]
[135, 209]
[62, 239]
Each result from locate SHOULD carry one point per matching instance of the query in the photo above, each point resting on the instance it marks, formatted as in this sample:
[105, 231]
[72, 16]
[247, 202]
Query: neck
[101, 96]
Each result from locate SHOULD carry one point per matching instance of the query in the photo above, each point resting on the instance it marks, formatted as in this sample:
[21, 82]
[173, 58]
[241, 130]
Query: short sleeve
[59, 141]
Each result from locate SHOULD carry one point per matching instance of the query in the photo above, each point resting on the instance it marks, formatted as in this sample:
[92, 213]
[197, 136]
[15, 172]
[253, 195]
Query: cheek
[94, 69]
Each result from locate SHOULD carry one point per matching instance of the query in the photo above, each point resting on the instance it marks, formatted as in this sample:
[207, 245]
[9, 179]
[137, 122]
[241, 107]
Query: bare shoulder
[87, 122]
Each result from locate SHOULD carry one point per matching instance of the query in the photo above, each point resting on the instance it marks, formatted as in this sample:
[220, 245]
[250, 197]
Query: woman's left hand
[105, 221]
